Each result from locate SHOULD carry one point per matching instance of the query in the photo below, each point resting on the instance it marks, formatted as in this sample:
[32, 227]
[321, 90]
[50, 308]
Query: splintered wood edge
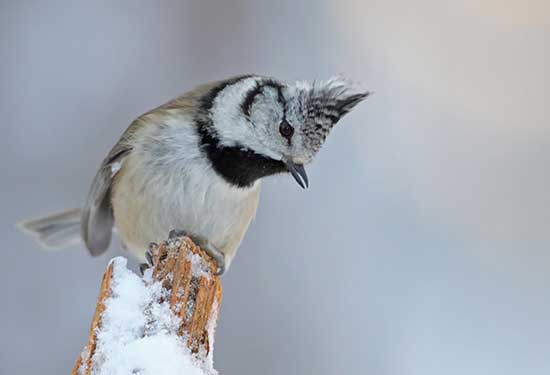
[192, 298]
[83, 365]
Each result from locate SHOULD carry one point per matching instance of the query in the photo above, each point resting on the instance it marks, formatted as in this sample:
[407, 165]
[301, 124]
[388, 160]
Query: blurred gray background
[422, 245]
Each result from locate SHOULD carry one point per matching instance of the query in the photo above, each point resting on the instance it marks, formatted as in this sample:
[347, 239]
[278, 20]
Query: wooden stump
[192, 290]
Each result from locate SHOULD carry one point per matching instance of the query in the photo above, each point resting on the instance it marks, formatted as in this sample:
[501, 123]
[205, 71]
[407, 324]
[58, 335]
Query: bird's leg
[148, 257]
[215, 253]
[204, 244]
[143, 267]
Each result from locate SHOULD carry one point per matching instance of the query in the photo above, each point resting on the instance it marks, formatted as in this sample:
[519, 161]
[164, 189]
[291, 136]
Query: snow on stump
[162, 323]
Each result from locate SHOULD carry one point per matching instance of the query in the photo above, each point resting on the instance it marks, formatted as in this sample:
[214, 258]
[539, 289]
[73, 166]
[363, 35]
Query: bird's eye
[286, 129]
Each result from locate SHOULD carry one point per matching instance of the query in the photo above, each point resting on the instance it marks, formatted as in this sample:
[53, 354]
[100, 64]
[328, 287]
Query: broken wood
[190, 286]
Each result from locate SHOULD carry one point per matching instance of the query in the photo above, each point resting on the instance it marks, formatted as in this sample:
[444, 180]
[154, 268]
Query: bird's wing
[97, 216]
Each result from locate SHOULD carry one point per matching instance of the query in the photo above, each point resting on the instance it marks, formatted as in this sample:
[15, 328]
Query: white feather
[168, 183]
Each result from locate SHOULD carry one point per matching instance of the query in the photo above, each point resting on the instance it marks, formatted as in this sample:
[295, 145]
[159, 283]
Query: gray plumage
[56, 230]
[196, 164]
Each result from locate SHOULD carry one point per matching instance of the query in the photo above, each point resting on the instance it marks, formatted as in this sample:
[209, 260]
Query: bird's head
[253, 126]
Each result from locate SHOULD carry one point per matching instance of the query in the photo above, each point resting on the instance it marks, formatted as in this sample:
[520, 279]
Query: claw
[149, 257]
[217, 255]
[143, 267]
[221, 269]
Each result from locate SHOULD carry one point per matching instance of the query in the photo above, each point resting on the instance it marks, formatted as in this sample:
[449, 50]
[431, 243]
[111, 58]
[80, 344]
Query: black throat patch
[237, 165]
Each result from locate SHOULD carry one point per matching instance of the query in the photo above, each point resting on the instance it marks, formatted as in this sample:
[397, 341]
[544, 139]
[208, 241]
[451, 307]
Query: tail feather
[55, 231]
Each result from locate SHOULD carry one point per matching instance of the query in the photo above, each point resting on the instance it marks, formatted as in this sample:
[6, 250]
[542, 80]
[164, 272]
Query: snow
[198, 267]
[139, 334]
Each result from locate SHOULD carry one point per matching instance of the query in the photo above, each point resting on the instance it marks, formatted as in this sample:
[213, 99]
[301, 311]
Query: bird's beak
[299, 173]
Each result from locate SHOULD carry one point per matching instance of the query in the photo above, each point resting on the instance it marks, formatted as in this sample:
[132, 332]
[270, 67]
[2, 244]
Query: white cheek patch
[266, 108]
[227, 116]
[230, 122]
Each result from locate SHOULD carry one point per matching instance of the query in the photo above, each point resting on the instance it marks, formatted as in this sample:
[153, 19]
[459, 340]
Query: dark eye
[286, 129]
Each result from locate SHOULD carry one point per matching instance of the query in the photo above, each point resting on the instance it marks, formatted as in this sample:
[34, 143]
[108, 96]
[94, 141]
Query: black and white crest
[253, 126]
[320, 105]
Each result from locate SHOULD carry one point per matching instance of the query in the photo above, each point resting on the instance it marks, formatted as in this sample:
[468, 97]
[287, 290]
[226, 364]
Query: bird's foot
[204, 244]
[174, 233]
[149, 258]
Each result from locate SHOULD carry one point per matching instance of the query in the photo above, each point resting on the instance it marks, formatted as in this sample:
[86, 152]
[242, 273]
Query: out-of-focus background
[422, 245]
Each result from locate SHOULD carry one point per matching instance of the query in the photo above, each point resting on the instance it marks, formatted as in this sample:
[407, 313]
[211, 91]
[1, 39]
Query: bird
[194, 165]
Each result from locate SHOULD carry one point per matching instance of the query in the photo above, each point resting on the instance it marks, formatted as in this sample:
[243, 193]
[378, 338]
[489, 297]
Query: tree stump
[185, 276]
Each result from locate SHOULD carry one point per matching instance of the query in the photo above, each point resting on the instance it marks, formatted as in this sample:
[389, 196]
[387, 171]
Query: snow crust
[139, 334]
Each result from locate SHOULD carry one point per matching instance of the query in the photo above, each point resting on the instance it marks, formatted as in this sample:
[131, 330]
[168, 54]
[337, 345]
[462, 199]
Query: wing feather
[97, 215]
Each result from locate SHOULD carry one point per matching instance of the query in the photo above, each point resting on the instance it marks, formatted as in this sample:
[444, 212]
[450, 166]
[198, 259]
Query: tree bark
[194, 293]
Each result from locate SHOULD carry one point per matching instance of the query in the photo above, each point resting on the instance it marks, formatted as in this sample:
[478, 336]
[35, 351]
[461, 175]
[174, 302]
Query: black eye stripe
[281, 97]
[249, 98]
[279, 87]
[207, 101]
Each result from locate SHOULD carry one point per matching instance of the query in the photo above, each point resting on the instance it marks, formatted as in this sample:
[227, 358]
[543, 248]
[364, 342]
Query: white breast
[167, 183]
